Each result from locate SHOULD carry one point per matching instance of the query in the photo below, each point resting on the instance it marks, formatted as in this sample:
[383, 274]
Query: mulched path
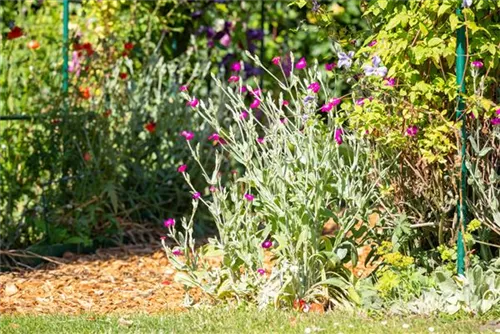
[124, 280]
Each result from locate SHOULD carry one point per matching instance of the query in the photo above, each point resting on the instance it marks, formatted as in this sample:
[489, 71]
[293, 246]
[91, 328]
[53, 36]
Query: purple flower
[372, 43]
[412, 130]
[236, 67]
[196, 14]
[244, 114]
[330, 67]
[255, 34]
[267, 244]
[314, 87]
[169, 222]
[376, 69]
[477, 64]
[261, 271]
[345, 60]
[196, 195]
[249, 197]
[338, 136]
[360, 102]
[466, 3]
[301, 64]
[390, 82]
[187, 134]
[308, 98]
[255, 103]
[495, 121]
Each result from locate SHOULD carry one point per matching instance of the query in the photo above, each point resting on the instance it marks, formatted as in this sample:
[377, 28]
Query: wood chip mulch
[125, 280]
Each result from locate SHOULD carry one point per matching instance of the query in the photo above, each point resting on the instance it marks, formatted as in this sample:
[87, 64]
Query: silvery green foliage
[476, 292]
[484, 178]
[300, 178]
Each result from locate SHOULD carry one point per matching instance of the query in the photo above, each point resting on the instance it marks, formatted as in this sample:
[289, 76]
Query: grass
[242, 320]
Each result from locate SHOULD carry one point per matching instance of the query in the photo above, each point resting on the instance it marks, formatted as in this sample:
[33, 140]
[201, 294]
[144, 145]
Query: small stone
[10, 289]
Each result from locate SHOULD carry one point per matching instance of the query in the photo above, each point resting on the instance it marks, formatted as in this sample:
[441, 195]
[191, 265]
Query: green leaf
[443, 9]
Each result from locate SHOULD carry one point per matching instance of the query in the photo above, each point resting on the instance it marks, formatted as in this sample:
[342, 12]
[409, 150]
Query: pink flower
[276, 60]
[236, 67]
[249, 197]
[301, 64]
[330, 67]
[74, 65]
[285, 103]
[267, 244]
[196, 195]
[477, 64]
[261, 271]
[314, 87]
[327, 107]
[335, 101]
[260, 140]
[495, 121]
[176, 252]
[372, 43]
[162, 238]
[169, 222]
[497, 111]
[214, 137]
[233, 78]
[182, 168]
[283, 120]
[255, 104]
[212, 188]
[225, 40]
[412, 131]
[193, 103]
[244, 114]
[256, 92]
[390, 82]
[360, 102]
[187, 134]
[183, 88]
[338, 136]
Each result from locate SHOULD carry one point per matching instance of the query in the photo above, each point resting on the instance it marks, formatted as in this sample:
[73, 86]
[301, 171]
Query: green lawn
[225, 320]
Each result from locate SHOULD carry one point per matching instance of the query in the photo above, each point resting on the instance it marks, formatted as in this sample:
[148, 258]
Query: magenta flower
[477, 64]
[390, 82]
[330, 67]
[176, 252]
[170, 222]
[243, 89]
[260, 140]
[196, 195]
[233, 78]
[261, 271]
[276, 60]
[236, 67]
[267, 244]
[225, 40]
[244, 114]
[412, 131]
[335, 101]
[497, 112]
[255, 104]
[182, 168]
[301, 64]
[214, 137]
[256, 92]
[372, 43]
[163, 238]
[183, 88]
[249, 197]
[360, 102]
[495, 121]
[327, 107]
[187, 134]
[283, 120]
[314, 87]
[338, 136]
[285, 103]
[193, 103]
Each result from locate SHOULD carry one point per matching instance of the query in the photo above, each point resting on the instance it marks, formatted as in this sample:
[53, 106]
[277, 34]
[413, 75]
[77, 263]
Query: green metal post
[462, 204]
[65, 83]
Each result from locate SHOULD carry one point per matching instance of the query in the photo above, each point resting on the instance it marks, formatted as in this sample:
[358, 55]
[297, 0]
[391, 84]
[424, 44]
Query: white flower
[431, 329]
[383, 323]
[307, 330]
[406, 326]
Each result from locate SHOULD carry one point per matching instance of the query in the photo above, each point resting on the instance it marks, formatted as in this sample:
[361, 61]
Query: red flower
[150, 127]
[87, 156]
[14, 33]
[107, 113]
[166, 282]
[128, 46]
[124, 54]
[85, 46]
[123, 75]
[85, 92]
